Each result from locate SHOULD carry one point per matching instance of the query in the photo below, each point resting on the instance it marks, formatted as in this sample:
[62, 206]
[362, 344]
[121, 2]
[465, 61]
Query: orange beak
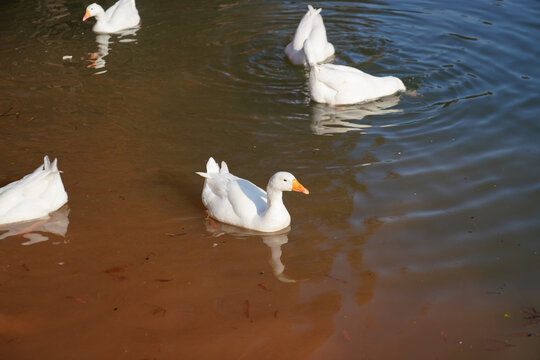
[296, 186]
[86, 15]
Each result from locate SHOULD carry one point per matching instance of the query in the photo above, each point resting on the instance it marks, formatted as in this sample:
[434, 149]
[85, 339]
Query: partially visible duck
[311, 26]
[122, 15]
[239, 202]
[342, 85]
[34, 196]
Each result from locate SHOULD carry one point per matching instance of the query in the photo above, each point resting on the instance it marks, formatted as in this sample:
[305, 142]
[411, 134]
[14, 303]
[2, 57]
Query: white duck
[311, 26]
[122, 15]
[34, 196]
[239, 202]
[343, 85]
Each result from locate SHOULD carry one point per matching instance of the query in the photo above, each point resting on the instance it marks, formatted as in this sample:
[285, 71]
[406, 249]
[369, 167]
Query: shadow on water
[273, 240]
[104, 41]
[328, 120]
[56, 224]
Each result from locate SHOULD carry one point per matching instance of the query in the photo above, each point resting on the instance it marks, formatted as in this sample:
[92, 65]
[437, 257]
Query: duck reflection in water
[56, 224]
[97, 59]
[329, 120]
[273, 240]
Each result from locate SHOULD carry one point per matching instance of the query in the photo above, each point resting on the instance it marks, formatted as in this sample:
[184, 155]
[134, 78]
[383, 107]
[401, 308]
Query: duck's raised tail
[212, 167]
[48, 166]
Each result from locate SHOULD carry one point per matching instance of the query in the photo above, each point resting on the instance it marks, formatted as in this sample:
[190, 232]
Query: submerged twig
[533, 315]
[6, 113]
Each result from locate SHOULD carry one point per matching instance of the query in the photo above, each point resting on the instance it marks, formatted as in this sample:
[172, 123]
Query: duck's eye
[285, 180]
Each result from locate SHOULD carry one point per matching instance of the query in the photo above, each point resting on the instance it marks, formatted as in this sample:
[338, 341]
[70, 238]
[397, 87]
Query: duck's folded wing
[337, 77]
[124, 13]
[246, 198]
[218, 184]
[110, 11]
[25, 194]
[351, 85]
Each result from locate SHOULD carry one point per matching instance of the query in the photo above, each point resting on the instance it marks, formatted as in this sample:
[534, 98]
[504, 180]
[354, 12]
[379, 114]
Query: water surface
[419, 238]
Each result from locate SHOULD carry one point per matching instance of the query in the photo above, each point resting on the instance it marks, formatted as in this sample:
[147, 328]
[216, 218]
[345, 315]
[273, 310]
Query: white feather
[236, 201]
[122, 15]
[343, 85]
[34, 196]
[311, 26]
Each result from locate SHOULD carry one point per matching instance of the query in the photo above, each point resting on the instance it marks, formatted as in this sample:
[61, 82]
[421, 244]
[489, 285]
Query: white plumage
[343, 85]
[311, 26]
[122, 15]
[34, 196]
[236, 201]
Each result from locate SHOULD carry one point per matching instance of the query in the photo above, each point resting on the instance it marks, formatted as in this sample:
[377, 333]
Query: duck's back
[232, 200]
[348, 85]
[122, 15]
[34, 196]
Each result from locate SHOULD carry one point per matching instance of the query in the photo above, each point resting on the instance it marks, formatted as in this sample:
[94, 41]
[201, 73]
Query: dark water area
[420, 238]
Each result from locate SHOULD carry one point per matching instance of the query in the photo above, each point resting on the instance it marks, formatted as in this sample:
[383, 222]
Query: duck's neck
[275, 208]
[276, 216]
[274, 197]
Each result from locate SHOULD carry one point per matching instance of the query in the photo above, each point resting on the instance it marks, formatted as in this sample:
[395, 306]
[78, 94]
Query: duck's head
[92, 10]
[286, 181]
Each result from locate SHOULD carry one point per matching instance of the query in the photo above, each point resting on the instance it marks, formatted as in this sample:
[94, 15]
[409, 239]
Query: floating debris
[77, 299]
[347, 336]
[262, 286]
[176, 234]
[113, 272]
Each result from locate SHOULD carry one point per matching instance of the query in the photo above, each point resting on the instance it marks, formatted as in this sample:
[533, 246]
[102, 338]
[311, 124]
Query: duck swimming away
[236, 201]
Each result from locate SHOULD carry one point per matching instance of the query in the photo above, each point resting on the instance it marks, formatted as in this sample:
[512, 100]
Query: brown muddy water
[419, 240]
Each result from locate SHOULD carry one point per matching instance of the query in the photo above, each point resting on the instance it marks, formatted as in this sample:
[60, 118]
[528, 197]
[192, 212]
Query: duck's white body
[34, 196]
[342, 85]
[311, 26]
[239, 202]
[122, 15]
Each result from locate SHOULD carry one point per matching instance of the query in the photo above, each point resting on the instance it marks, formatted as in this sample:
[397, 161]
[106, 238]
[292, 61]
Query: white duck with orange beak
[239, 202]
[122, 15]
